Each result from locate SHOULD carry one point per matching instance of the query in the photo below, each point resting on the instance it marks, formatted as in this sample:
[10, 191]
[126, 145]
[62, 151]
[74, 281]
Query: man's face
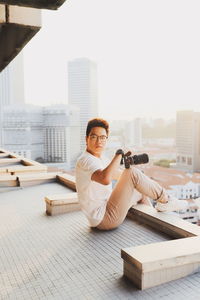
[96, 141]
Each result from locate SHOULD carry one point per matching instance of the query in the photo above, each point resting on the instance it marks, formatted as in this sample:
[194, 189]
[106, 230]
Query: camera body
[128, 160]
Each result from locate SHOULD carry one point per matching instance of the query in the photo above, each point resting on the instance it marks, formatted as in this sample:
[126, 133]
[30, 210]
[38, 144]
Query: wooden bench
[153, 264]
[61, 203]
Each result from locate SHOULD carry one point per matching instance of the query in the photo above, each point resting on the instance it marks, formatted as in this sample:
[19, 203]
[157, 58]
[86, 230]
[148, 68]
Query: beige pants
[132, 187]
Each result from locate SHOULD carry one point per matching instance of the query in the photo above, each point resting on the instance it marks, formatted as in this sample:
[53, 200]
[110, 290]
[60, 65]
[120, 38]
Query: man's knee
[135, 175]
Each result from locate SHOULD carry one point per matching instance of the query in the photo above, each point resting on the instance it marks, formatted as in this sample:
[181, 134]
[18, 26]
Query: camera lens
[140, 159]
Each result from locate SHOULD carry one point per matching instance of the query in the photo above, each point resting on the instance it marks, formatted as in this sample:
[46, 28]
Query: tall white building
[11, 87]
[133, 132]
[61, 134]
[23, 130]
[188, 140]
[82, 91]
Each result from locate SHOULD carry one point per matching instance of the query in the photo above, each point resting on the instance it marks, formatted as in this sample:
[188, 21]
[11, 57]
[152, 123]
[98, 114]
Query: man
[106, 208]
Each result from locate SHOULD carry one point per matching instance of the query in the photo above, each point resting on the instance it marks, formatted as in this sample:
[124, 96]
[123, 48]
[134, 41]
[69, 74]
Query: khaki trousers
[132, 187]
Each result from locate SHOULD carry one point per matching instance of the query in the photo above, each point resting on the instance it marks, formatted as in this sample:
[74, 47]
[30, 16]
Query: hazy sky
[147, 52]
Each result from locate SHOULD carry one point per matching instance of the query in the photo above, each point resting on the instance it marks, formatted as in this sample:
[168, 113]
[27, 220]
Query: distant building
[61, 134]
[188, 140]
[11, 87]
[192, 214]
[82, 91]
[182, 185]
[190, 190]
[48, 134]
[179, 183]
[23, 130]
[133, 132]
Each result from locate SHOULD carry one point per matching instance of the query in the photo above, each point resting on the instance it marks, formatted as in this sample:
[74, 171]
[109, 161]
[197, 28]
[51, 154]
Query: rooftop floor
[60, 257]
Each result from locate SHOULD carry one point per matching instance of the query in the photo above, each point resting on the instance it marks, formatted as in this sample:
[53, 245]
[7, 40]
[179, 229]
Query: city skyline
[147, 56]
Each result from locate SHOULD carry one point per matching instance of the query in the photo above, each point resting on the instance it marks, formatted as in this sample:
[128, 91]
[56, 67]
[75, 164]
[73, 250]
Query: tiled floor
[60, 257]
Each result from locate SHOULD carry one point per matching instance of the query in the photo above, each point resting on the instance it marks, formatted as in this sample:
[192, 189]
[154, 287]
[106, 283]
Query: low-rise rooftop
[168, 177]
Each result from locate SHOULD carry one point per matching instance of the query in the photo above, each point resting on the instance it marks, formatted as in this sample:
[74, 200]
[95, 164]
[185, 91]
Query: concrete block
[67, 180]
[165, 222]
[8, 180]
[36, 178]
[150, 265]
[61, 203]
[26, 169]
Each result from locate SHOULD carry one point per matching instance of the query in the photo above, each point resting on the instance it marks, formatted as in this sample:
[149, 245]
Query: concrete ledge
[18, 26]
[67, 180]
[150, 265]
[157, 263]
[164, 222]
[7, 161]
[3, 170]
[63, 203]
[8, 180]
[26, 169]
[29, 162]
[4, 155]
[7, 155]
[36, 178]
[46, 4]
[26, 165]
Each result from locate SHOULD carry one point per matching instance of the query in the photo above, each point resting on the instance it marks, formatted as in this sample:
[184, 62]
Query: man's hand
[129, 153]
[106, 175]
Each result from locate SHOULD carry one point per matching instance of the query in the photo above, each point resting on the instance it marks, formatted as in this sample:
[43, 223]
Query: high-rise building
[61, 134]
[11, 87]
[188, 140]
[82, 91]
[133, 132]
[23, 130]
[12, 82]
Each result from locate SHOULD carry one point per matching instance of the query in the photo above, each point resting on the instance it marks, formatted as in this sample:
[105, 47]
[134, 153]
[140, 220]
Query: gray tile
[60, 257]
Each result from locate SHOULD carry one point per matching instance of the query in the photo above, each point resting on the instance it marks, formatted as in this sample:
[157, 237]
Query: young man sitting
[106, 208]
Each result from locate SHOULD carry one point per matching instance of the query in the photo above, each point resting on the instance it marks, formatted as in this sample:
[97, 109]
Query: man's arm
[106, 175]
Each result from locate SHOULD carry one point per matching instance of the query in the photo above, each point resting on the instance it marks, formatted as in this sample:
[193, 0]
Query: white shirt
[93, 196]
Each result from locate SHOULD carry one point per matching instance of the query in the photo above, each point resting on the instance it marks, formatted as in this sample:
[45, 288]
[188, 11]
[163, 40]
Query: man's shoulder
[85, 157]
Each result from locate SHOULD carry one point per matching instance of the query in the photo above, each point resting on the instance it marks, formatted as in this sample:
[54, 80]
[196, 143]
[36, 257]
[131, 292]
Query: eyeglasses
[95, 137]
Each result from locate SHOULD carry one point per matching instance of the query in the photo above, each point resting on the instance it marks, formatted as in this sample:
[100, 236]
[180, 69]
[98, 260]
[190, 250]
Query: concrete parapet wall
[150, 265]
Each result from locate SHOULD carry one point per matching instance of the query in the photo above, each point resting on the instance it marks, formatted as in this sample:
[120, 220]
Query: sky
[147, 55]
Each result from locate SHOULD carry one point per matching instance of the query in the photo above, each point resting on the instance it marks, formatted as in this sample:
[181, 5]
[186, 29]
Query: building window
[183, 159]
